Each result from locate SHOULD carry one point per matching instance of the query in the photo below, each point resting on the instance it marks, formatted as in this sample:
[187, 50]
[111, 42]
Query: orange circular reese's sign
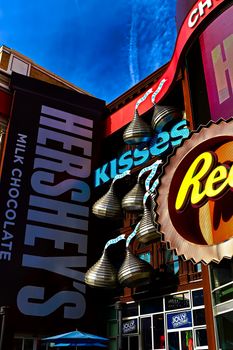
[195, 196]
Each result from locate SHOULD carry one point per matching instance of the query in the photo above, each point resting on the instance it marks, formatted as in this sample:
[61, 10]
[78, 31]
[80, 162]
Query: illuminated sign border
[194, 19]
[183, 247]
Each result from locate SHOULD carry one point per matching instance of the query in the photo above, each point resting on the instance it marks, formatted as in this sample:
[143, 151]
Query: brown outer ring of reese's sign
[183, 247]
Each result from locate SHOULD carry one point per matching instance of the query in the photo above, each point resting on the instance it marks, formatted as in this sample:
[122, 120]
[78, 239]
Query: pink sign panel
[217, 55]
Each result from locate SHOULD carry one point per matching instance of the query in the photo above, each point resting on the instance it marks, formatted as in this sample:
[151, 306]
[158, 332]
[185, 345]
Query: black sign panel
[130, 326]
[45, 196]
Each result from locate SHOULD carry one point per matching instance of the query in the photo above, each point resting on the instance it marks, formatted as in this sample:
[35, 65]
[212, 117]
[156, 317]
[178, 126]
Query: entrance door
[180, 340]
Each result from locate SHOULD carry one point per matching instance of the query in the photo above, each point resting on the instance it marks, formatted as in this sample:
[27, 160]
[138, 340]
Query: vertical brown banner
[45, 193]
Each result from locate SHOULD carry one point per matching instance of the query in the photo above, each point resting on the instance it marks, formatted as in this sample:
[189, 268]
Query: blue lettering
[113, 168]
[100, 175]
[141, 155]
[179, 132]
[161, 145]
[125, 162]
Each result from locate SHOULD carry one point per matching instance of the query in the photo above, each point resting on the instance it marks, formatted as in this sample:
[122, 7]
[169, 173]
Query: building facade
[155, 251]
[187, 301]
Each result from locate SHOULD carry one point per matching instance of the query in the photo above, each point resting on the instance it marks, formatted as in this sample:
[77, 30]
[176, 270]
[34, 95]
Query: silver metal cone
[133, 200]
[164, 117]
[147, 230]
[102, 274]
[137, 131]
[108, 206]
[134, 272]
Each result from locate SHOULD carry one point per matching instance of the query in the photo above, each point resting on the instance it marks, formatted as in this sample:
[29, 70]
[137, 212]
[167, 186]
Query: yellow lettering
[192, 182]
[216, 177]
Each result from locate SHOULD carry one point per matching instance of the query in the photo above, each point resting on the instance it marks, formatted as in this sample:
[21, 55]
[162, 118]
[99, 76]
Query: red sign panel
[196, 16]
[217, 52]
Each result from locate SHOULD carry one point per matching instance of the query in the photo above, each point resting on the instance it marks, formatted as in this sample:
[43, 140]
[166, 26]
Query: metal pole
[3, 314]
[118, 307]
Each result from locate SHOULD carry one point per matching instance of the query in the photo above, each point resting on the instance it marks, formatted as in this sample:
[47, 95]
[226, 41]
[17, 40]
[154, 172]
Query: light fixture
[134, 272]
[137, 131]
[133, 200]
[108, 206]
[164, 117]
[102, 274]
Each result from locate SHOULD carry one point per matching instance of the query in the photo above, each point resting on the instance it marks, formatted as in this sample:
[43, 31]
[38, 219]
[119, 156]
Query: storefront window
[222, 291]
[130, 309]
[146, 333]
[177, 301]
[221, 273]
[23, 344]
[198, 298]
[28, 344]
[187, 340]
[17, 344]
[151, 306]
[130, 343]
[174, 322]
[173, 341]
[158, 332]
[223, 294]
[224, 328]
[133, 343]
[201, 337]
[199, 317]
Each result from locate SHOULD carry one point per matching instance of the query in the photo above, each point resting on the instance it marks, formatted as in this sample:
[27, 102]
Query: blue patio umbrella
[100, 345]
[76, 337]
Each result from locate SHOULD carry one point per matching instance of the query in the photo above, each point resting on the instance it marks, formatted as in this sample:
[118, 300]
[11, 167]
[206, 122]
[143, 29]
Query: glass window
[23, 344]
[133, 342]
[28, 344]
[225, 333]
[158, 332]
[186, 340]
[17, 344]
[173, 341]
[198, 267]
[41, 345]
[146, 333]
[223, 294]
[201, 337]
[221, 273]
[172, 262]
[130, 310]
[199, 317]
[177, 301]
[151, 306]
[198, 298]
[145, 256]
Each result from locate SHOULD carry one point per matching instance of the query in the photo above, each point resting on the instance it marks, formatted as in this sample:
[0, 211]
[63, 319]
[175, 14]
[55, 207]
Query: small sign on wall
[130, 326]
[179, 320]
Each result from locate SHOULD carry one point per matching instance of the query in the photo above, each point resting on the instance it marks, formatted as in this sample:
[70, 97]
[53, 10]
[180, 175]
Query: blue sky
[103, 46]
